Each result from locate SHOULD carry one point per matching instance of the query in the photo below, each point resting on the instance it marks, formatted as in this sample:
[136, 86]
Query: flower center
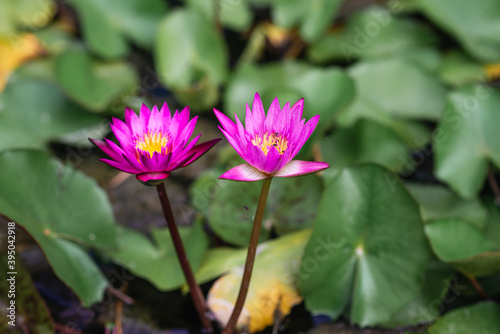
[153, 142]
[271, 140]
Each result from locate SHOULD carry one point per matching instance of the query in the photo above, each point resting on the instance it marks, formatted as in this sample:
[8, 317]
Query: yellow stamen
[271, 140]
[152, 142]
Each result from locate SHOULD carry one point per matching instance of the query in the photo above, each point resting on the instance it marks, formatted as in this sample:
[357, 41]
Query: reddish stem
[196, 294]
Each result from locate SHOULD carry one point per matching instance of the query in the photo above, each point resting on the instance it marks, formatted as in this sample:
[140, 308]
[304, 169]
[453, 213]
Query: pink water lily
[153, 144]
[269, 143]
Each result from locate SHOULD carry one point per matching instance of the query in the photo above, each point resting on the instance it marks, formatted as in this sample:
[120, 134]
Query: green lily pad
[107, 26]
[156, 260]
[93, 84]
[481, 318]
[365, 228]
[366, 141]
[462, 245]
[325, 90]
[52, 203]
[33, 112]
[30, 310]
[473, 24]
[467, 139]
[437, 202]
[313, 17]
[31, 14]
[407, 91]
[291, 206]
[193, 60]
[372, 33]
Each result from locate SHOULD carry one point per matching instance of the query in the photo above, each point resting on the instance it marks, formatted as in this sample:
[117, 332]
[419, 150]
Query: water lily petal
[121, 166]
[244, 172]
[201, 149]
[226, 122]
[298, 168]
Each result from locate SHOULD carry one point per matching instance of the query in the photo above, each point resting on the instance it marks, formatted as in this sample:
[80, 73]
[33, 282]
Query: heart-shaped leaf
[365, 228]
[467, 139]
[52, 203]
[90, 83]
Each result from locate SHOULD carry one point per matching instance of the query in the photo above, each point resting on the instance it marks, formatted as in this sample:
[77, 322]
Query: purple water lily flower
[153, 144]
[269, 143]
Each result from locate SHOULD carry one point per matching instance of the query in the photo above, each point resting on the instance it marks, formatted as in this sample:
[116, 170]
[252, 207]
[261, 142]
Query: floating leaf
[437, 202]
[55, 211]
[467, 138]
[192, 60]
[93, 84]
[107, 25]
[462, 245]
[273, 284]
[479, 318]
[365, 228]
[156, 260]
[473, 24]
[33, 112]
[366, 141]
[372, 33]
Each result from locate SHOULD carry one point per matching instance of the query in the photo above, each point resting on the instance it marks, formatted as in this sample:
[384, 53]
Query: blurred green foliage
[409, 107]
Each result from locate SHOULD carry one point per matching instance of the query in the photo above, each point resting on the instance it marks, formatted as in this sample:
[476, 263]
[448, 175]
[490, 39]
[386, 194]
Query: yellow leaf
[14, 51]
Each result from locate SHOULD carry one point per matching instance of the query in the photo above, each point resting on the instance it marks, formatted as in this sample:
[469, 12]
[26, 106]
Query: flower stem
[252, 249]
[196, 294]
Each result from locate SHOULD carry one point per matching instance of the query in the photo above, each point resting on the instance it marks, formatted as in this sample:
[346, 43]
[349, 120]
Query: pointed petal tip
[244, 173]
[299, 168]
